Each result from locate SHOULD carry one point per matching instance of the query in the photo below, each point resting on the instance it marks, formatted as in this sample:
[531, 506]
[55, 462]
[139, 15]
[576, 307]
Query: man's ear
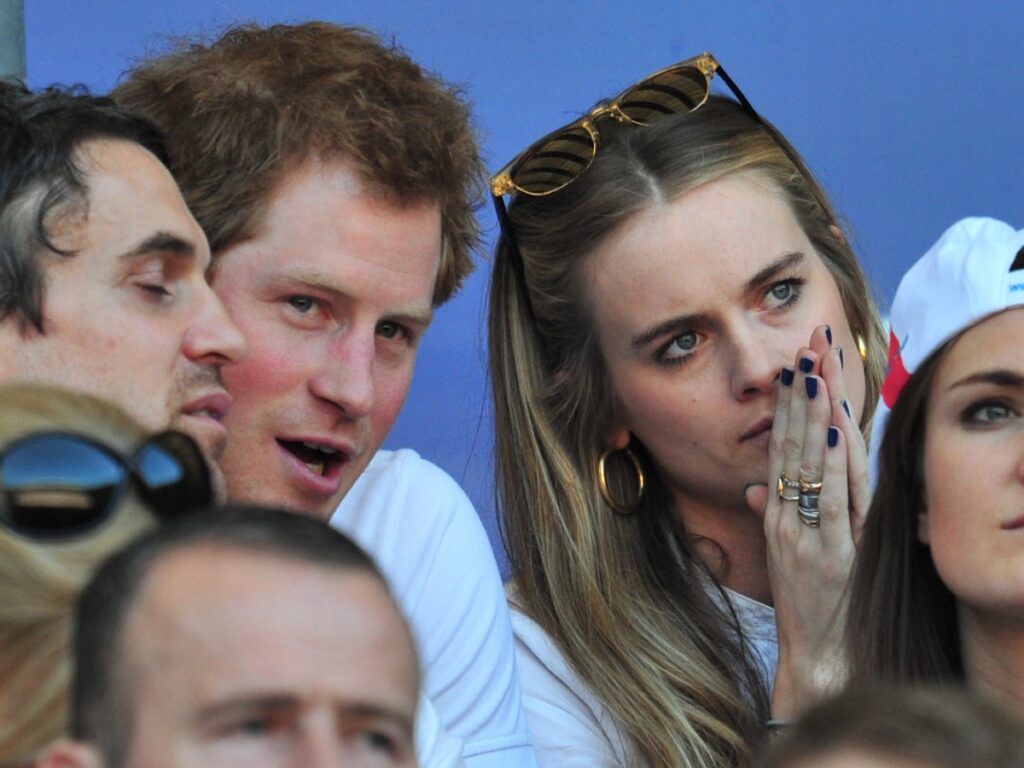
[70, 754]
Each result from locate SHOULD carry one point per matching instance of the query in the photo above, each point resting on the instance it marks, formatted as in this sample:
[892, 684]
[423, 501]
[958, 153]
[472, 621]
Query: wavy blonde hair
[625, 597]
[39, 582]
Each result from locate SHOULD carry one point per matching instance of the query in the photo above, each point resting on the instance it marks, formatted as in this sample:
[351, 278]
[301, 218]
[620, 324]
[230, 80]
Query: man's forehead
[229, 575]
[130, 197]
[230, 622]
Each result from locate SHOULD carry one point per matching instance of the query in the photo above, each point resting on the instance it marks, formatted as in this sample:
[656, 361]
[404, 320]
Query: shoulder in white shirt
[427, 538]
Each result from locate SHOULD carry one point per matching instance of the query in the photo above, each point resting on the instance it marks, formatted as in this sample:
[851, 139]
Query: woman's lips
[762, 429]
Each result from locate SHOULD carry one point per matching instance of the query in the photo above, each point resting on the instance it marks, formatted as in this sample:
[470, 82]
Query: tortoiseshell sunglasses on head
[555, 161]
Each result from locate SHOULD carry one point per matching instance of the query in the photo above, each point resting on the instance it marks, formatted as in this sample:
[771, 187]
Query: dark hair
[41, 178]
[903, 624]
[100, 713]
[244, 111]
[940, 726]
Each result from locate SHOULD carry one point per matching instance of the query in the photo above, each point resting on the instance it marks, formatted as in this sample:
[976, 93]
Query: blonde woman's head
[40, 580]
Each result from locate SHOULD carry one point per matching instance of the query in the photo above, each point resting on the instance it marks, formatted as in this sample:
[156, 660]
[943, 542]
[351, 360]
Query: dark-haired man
[102, 267]
[244, 637]
[337, 183]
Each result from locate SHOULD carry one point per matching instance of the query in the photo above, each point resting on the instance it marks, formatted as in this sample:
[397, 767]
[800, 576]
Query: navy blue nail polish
[828, 334]
[846, 407]
[812, 387]
[842, 363]
[787, 376]
[833, 437]
[806, 365]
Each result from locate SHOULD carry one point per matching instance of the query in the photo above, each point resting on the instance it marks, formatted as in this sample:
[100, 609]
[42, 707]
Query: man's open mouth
[320, 458]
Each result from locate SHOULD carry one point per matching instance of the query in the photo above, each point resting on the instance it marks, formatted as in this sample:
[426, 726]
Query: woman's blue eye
[784, 293]
[682, 346]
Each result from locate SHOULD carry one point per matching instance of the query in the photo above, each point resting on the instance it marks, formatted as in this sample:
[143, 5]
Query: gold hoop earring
[862, 346]
[602, 483]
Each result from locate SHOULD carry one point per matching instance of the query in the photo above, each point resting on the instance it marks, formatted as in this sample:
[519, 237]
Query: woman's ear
[922, 526]
[837, 233]
[70, 754]
[616, 437]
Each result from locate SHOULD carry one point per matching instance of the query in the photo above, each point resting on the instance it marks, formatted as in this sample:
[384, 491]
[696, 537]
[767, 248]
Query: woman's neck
[732, 543]
[993, 653]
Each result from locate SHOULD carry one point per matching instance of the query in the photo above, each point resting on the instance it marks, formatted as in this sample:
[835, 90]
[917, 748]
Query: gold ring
[785, 484]
[808, 487]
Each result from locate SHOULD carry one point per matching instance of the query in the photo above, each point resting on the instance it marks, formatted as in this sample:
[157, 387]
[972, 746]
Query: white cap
[976, 268]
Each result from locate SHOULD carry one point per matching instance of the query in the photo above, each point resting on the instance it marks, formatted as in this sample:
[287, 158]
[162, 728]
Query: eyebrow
[782, 264]
[274, 703]
[161, 242]
[381, 712]
[320, 280]
[1000, 377]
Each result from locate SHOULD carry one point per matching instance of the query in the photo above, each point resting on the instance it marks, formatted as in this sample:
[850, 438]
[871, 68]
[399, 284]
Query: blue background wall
[910, 112]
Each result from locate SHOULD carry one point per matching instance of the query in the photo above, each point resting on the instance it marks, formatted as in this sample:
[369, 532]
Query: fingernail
[833, 436]
[812, 387]
[806, 365]
[846, 407]
[828, 334]
[842, 363]
[787, 376]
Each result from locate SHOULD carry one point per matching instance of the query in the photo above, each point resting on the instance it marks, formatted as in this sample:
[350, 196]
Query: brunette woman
[938, 590]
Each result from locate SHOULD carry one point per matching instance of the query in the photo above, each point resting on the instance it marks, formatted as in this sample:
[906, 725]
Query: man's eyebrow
[782, 264]
[256, 703]
[317, 279]
[161, 242]
[1001, 377]
[243, 704]
[382, 712]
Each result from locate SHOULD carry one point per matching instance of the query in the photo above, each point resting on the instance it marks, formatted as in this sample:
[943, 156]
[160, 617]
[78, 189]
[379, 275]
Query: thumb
[757, 498]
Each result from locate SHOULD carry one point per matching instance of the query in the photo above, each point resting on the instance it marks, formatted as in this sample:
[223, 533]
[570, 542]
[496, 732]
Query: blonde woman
[78, 480]
[683, 353]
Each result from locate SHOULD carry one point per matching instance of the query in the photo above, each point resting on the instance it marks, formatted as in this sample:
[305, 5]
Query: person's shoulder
[399, 474]
[411, 515]
[571, 727]
[533, 640]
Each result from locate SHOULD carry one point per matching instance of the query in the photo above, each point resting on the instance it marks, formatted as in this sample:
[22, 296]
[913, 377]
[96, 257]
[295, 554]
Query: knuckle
[831, 509]
[809, 473]
[792, 446]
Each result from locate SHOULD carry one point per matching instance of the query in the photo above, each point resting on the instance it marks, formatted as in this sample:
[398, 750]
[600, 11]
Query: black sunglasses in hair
[57, 484]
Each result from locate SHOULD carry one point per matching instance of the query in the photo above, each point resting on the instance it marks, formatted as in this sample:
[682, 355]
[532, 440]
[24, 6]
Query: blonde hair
[625, 597]
[40, 581]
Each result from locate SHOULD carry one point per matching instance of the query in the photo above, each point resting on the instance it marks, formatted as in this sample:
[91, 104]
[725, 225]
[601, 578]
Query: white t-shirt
[571, 727]
[429, 542]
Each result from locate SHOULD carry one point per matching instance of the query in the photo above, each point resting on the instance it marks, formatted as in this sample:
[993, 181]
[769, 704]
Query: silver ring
[807, 509]
[809, 501]
[811, 521]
